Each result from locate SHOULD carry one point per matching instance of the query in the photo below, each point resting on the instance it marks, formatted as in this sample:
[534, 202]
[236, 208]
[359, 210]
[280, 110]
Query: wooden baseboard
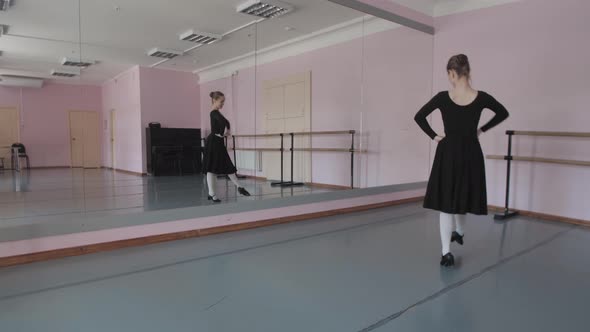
[311, 184]
[124, 171]
[115, 245]
[328, 186]
[253, 177]
[544, 216]
[50, 167]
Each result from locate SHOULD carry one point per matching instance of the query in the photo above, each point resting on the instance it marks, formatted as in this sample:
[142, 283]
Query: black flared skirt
[216, 159]
[457, 183]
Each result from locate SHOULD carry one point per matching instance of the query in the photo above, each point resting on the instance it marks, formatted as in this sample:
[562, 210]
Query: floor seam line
[381, 221]
[460, 283]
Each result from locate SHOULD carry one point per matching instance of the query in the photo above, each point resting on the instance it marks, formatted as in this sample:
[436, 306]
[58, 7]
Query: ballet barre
[317, 133]
[544, 160]
[509, 158]
[264, 149]
[350, 150]
[549, 133]
[293, 149]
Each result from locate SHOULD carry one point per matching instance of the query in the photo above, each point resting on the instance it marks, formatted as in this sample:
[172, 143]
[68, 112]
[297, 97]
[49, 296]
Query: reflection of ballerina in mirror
[457, 183]
[216, 160]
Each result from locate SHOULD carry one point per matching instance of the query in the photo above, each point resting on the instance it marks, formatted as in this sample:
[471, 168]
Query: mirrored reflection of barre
[292, 149]
[509, 158]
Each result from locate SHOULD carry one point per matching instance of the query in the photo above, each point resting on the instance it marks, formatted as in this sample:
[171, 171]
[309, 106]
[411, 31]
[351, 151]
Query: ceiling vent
[264, 8]
[61, 73]
[199, 37]
[21, 81]
[76, 63]
[162, 53]
[5, 4]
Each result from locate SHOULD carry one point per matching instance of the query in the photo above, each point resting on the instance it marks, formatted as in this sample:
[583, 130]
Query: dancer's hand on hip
[438, 138]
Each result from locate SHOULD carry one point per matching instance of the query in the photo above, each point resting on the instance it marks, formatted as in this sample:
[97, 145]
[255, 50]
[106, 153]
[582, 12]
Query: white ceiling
[118, 33]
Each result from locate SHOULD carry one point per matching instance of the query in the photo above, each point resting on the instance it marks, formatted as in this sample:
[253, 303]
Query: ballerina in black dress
[457, 183]
[216, 159]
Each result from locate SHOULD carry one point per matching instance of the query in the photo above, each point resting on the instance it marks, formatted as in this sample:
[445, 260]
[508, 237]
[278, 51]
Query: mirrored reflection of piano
[173, 151]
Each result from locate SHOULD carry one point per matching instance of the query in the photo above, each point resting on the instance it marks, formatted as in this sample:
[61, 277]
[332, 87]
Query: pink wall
[121, 94]
[397, 81]
[535, 58]
[44, 118]
[170, 98]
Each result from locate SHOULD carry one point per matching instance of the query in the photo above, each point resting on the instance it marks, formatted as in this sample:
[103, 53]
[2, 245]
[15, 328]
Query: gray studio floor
[34, 202]
[370, 271]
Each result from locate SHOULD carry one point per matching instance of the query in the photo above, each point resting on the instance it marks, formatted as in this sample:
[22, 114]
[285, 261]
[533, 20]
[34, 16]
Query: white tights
[448, 224]
[212, 179]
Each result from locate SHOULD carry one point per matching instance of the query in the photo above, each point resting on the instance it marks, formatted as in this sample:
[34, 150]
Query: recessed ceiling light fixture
[61, 73]
[264, 8]
[77, 63]
[200, 37]
[163, 53]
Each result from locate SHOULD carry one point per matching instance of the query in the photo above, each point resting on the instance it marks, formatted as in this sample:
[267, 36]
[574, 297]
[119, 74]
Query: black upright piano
[173, 151]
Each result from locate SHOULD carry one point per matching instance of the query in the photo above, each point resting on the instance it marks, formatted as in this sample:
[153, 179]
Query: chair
[22, 153]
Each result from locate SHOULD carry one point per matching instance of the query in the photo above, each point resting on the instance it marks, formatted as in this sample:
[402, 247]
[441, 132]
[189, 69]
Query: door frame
[306, 78]
[70, 137]
[17, 120]
[18, 138]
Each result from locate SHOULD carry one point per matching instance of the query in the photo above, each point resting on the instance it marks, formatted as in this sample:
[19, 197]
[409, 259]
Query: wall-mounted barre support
[507, 213]
[235, 157]
[284, 183]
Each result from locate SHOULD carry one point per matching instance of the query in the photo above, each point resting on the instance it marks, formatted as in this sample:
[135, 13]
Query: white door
[84, 139]
[287, 107]
[9, 133]
[91, 140]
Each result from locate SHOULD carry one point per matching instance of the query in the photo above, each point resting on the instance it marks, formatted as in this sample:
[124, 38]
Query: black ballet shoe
[456, 237]
[214, 199]
[243, 191]
[447, 260]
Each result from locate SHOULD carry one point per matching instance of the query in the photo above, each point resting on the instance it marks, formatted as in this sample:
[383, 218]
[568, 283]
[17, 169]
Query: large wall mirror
[113, 104]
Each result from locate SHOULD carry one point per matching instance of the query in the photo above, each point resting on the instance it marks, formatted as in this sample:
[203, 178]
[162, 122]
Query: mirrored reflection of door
[84, 139]
[287, 104]
[8, 132]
